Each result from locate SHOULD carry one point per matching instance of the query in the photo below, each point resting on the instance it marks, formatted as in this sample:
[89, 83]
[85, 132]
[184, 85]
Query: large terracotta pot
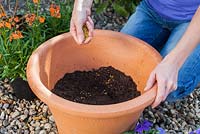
[61, 54]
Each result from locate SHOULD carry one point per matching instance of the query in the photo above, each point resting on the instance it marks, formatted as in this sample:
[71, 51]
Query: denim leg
[188, 77]
[189, 74]
[143, 26]
[173, 39]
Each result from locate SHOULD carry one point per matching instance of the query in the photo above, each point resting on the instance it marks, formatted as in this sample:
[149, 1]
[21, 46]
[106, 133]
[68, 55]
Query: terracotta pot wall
[61, 54]
[93, 125]
[67, 57]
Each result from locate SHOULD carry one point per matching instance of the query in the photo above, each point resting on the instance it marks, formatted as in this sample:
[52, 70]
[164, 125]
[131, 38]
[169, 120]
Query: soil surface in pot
[102, 86]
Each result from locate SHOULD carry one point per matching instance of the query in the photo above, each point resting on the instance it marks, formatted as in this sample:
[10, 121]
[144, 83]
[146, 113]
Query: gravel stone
[15, 114]
[2, 115]
[47, 126]
[23, 117]
[52, 133]
[37, 128]
[1, 123]
[5, 123]
[32, 112]
[26, 132]
[51, 118]
[42, 132]
[5, 106]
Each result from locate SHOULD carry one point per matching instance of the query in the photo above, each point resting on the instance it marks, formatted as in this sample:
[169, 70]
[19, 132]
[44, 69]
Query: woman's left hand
[165, 75]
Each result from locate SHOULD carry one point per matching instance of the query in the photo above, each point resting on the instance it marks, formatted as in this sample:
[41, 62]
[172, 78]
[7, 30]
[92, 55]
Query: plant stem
[16, 5]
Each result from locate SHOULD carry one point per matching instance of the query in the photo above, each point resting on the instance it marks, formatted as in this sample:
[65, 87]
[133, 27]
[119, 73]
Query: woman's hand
[165, 75]
[81, 16]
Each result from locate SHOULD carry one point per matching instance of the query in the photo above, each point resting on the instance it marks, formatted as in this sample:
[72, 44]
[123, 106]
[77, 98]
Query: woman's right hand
[81, 16]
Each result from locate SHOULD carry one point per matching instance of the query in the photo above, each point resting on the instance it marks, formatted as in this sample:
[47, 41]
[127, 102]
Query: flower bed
[21, 34]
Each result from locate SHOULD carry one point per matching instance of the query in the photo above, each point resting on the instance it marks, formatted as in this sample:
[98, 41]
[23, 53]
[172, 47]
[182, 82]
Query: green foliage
[129, 132]
[152, 131]
[121, 7]
[14, 53]
[55, 26]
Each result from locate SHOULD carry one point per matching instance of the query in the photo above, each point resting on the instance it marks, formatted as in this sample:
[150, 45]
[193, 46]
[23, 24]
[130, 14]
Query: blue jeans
[163, 35]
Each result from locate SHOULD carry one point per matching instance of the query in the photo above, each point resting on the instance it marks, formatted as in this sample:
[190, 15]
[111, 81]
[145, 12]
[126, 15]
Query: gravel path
[24, 117]
[21, 116]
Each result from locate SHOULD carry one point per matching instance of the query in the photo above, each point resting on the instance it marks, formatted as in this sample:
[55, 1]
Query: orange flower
[13, 24]
[30, 18]
[8, 25]
[10, 19]
[36, 1]
[16, 35]
[1, 24]
[55, 11]
[41, 19]
[16, 19]
[2, 15]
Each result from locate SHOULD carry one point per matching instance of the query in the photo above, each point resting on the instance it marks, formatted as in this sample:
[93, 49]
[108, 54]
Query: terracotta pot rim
[95, 111]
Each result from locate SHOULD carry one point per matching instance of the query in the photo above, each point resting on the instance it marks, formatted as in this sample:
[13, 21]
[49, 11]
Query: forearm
[188, 42]
[83, 4]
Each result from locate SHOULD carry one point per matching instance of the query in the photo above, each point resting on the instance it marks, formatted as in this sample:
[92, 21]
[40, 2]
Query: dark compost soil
[105, 85]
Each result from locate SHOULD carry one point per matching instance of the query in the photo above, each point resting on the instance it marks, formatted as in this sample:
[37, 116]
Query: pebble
[15, 114]
[1, 123]
[42, 132]
[173, 111]
[13, 122]
[26, 112]
[45, 109]
[191, 115]
[23, 117]
[26, 132]
[2, 115]
[5, 106]
[51, 118]
[5, 123]
[3, 130]
[52, 133]
[32, 112]
[37, 124]
[37, 128]
[47, 126]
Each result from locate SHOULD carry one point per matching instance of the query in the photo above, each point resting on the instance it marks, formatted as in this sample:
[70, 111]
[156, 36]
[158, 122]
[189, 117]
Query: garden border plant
[121, 7]
[21, 34]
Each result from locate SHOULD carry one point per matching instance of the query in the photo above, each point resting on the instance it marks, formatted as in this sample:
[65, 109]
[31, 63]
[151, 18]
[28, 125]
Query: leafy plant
[121, 7]
[21, 34]
[145, 127]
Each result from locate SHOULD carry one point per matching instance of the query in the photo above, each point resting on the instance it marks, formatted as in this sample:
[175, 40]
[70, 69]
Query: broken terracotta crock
[61, 54]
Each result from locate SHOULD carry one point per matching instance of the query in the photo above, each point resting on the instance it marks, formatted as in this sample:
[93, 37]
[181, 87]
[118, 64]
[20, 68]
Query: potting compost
[102, 86]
